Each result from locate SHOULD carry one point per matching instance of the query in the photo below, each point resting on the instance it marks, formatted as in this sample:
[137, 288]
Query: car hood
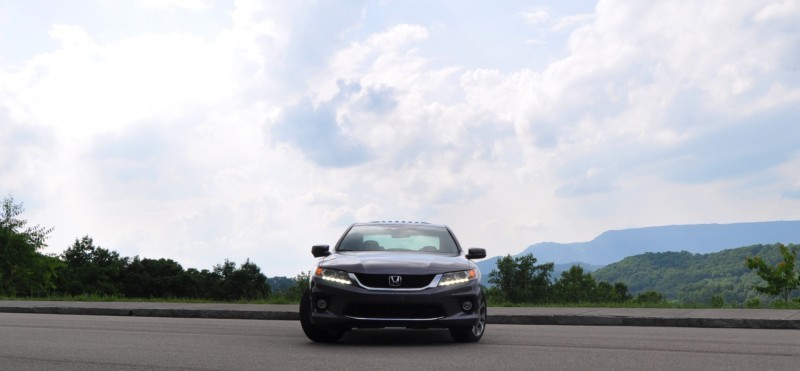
[395, 262]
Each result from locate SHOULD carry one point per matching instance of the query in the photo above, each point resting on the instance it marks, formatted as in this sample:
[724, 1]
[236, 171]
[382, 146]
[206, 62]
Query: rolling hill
[692, 278]
[615, 245]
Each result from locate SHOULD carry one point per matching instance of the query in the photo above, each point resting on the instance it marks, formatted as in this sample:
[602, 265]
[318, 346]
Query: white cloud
[785, 11]
[571, 21]
[84, 88]
[385, 58]
[194, 5]
[296, 119]
[369, 212]
[536, 16]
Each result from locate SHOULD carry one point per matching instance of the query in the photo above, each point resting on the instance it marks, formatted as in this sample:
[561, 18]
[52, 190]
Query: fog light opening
[322, 304]
[466, 306]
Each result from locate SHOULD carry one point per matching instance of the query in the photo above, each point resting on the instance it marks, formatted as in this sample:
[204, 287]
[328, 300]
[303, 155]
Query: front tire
[317, 333]
[474, 333]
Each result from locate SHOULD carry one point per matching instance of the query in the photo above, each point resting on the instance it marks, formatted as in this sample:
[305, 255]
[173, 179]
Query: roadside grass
[793, 304]
[273, 299]
[600, 305]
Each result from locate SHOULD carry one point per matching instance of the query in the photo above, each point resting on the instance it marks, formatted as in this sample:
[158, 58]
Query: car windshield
[427, 239]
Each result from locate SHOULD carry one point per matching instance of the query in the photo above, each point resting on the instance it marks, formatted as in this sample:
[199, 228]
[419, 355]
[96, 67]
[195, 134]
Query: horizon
[490, 256]
[204, 130]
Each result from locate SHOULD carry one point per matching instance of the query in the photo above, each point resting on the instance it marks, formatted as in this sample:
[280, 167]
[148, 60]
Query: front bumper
[434, 307]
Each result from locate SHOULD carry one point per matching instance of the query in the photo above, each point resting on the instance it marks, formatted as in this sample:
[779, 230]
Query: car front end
[419, 300]
[395, 275]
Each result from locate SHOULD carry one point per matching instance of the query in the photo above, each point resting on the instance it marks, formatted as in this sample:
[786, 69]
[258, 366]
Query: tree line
[520, 280]
[86, 269]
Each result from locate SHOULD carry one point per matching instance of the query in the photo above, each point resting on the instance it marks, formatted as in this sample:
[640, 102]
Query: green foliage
[247, 282]
[289, 290]
[23, 270]
[753, 303]
[91, 269]
[280, 284]
[519, 279]
[780, 279]
[692, 278]
[575, 286]
[717, 301]
[300, 285]
[148, 278]
[649, 297]
[165, 278]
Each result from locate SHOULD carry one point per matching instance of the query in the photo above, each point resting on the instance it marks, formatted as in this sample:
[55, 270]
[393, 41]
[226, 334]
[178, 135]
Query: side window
[352, 242]
[447, 243]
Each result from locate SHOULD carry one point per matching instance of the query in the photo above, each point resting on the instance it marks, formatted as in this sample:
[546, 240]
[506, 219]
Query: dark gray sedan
[394, 274]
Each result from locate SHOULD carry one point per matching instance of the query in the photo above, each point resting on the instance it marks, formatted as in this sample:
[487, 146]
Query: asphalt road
[41, 341]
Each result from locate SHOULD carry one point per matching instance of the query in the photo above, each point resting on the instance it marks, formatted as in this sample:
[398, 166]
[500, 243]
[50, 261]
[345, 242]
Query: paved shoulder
[155, 309]
[723, 318]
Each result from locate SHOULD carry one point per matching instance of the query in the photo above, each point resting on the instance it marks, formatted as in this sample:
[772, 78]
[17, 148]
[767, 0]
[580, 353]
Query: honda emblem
[395, 281]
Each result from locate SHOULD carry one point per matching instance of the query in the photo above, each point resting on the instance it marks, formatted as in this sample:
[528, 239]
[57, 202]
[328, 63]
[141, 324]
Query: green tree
[649, 297]
[620, 292]
[218, 275]
[519, 279]
[299, 286]
[23, 270]
[247, 283]
[780, 279]
[200, 284]
[226, 282]
[576, 286]
[91, 269]
[151, 278]
[606, 292]
[290, 289]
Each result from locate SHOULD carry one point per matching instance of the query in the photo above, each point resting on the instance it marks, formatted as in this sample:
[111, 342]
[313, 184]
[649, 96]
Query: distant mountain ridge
[615, 245]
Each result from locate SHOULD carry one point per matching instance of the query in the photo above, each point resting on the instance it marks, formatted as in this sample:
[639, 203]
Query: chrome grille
[408, 281]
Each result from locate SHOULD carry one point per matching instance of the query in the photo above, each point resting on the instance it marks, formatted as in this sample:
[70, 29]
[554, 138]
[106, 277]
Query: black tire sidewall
[317, 333]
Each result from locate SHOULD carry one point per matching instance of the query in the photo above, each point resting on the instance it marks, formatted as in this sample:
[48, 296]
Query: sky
[201, 130]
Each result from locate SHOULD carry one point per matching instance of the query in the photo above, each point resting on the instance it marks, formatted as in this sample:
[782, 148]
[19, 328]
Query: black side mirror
[476, 253]
[320, 250]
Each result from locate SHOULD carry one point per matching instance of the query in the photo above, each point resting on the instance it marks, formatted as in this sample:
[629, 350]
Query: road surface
[43, 341]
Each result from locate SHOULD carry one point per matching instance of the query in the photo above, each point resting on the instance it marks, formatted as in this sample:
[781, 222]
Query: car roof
[401, 222]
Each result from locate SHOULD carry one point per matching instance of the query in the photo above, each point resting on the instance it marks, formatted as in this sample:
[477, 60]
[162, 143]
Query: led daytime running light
[332, 275]
[337, 280]
[455, 278]
[454, 282]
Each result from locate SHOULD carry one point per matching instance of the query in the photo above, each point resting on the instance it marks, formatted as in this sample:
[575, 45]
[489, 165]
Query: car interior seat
[370, 245]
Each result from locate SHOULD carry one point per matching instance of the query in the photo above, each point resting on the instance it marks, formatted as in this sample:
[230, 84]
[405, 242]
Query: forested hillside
[693, 278]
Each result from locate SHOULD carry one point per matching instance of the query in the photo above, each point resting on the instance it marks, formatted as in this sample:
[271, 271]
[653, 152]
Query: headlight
[333, 275]
[455, 278]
